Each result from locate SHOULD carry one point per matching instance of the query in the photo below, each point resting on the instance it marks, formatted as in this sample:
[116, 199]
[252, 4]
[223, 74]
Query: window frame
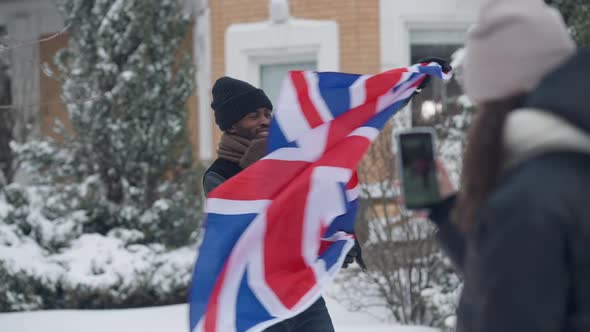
[248, 46]
[397, 19]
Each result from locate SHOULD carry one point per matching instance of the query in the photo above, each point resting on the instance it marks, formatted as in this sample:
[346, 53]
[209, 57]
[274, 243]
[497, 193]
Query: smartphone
[417, 167]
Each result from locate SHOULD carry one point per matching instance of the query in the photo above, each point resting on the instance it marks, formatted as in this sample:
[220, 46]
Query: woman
[519, 229]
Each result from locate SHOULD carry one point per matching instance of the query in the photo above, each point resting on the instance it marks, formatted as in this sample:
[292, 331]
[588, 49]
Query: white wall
[202, 52]
[398, 18]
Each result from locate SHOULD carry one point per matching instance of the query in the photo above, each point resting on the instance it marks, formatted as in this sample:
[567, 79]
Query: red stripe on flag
[354, 181]
[346, 154]
[307, 107]
[262, 180]
[286, 271]
[210, 324]
[379, 84]
[349, 121]
[324, 244]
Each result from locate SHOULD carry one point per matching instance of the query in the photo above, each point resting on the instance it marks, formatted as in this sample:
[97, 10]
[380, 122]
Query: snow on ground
[162, 319]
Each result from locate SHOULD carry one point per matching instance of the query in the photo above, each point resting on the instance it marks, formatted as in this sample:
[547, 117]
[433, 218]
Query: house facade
[22, 24]
[254, 40]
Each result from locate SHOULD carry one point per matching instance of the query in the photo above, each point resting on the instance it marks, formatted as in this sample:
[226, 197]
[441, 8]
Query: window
[441, 96]
[271, 76]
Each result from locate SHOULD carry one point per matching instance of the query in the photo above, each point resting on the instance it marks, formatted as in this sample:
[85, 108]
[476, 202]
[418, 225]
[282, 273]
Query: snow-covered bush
[52, 263]
[408, 278]
[111, 215]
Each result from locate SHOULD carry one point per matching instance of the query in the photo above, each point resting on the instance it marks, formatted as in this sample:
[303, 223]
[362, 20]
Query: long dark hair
[483, 158]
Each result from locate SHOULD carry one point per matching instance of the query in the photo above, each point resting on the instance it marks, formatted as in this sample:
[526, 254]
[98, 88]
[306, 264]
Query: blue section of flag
[334, 88]
[379, 120]
[251, 311]
[277, 139]
[333, 253]
[222, 233]
[344, 222]
[430, 70]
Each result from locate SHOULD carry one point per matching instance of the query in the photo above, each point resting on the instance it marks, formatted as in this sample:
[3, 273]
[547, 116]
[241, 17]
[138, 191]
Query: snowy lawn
[162, 319]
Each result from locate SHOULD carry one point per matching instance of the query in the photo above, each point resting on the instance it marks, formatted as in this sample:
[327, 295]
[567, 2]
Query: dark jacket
[220, 171]
[526, 263]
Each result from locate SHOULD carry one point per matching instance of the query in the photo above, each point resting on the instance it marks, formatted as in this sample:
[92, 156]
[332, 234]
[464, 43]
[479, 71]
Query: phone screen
[419, 180]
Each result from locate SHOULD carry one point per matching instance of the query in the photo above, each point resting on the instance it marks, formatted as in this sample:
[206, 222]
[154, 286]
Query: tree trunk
[6, 127]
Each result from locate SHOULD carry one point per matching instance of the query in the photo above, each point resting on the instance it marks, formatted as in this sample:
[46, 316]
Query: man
[243, 113]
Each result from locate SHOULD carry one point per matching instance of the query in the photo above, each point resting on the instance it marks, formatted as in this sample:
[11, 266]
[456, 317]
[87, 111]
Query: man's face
[253, 125]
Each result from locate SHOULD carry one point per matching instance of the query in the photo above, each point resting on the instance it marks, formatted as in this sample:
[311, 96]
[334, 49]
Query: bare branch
[22, 44]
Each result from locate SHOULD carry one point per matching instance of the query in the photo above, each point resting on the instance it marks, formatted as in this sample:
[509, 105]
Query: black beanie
[233, 99]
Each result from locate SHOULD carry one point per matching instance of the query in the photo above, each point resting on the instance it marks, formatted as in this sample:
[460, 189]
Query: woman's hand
[445, 186]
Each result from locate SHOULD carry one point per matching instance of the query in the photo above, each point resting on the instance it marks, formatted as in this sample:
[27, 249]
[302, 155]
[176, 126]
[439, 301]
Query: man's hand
[445, 65]
[255, 152]
[355, 254]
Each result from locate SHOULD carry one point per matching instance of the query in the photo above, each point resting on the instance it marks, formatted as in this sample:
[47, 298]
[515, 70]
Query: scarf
[241, 150]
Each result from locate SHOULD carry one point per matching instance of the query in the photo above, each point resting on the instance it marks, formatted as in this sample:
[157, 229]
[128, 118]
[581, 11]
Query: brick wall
[51, 108]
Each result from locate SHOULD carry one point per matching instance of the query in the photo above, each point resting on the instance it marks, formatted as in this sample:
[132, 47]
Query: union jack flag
[278, 232]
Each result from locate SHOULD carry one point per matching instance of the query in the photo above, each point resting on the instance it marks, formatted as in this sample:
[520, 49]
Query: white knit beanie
[512, 46]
